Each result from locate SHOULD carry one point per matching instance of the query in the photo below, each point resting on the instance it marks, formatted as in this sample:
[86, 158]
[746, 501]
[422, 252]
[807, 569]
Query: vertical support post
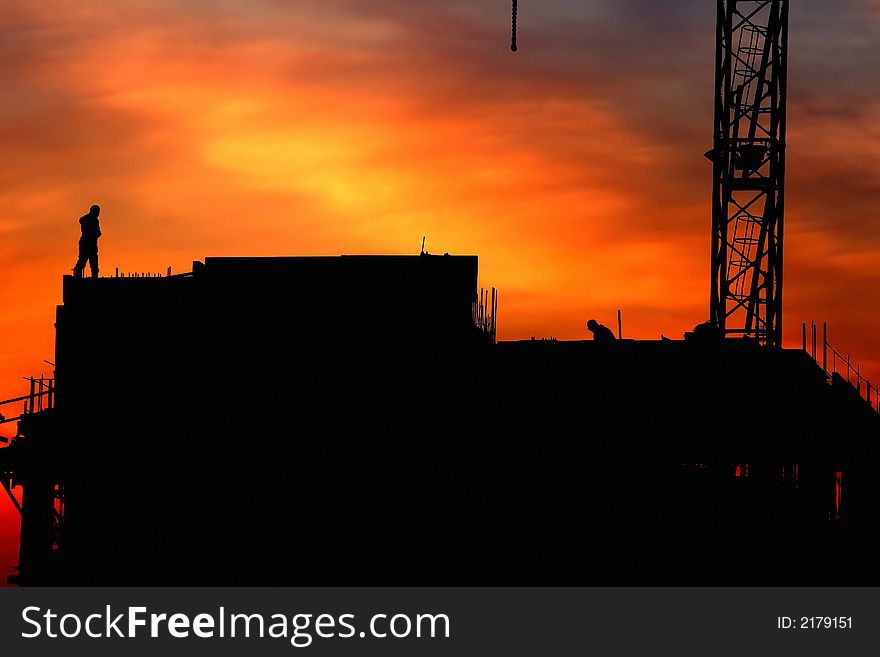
[619, 326]
[825, 347]
[495, 317]
[35, 540]
[492, 320]
[815, 333]
[804, 335]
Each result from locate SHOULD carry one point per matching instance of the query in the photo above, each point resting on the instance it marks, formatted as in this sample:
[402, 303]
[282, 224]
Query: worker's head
[592, 325]
[95, 210]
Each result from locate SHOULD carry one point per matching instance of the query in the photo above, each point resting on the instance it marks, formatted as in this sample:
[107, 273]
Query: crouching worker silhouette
[601, 333]
[88, 243]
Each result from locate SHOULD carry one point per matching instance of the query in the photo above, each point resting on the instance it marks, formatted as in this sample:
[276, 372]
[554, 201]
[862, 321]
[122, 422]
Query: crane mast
[748, 178]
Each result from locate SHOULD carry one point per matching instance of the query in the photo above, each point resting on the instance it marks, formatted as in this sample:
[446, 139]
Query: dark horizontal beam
[24, 398]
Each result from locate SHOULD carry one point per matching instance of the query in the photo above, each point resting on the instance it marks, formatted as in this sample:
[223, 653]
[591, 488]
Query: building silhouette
[352, 420]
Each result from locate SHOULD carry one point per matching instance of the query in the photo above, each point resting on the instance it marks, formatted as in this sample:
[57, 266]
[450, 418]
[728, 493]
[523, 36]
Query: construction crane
[748, 173]
[748, 176]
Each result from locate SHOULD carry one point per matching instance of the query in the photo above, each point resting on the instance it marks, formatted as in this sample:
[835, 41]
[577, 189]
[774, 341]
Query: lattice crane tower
[748, 176]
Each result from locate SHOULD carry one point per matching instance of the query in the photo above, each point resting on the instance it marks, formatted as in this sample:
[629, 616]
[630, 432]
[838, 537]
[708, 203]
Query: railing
[40, 398]
[485, 311]
[143, 274]
[840, 365]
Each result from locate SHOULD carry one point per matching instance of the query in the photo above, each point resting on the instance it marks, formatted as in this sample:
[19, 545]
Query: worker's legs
[80, 265]
[93, 263]
[86, 255]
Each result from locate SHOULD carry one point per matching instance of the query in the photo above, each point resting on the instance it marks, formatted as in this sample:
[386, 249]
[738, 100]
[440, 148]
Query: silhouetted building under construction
[351, 420]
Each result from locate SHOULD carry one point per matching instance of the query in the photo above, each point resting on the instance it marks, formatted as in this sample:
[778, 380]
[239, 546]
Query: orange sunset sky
[573, 168]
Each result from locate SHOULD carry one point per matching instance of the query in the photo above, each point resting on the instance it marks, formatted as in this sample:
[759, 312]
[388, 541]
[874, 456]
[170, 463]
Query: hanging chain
[513, 27]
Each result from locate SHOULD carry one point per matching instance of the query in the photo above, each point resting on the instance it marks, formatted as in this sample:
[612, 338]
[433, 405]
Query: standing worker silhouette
[88, 243]
[601, 333]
